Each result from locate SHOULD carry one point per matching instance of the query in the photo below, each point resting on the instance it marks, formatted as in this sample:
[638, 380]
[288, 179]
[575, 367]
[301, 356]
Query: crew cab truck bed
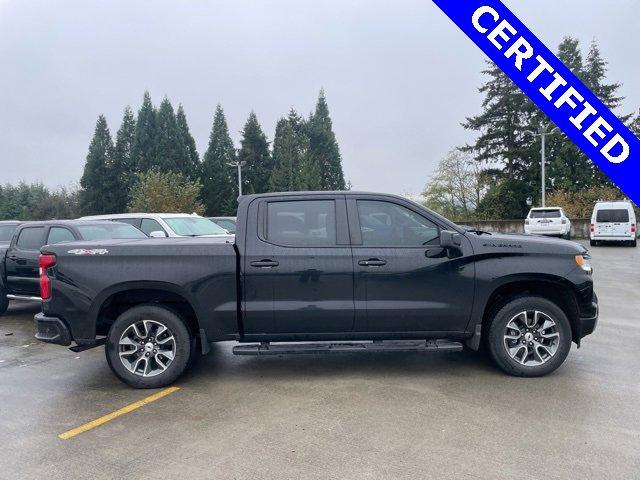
[360, 271]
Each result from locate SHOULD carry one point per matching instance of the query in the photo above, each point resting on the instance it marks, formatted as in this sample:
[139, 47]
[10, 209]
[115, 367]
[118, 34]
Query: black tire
[4, 302]
[593, 243]
[634, 243]
[567, 236]
[184, 346]
[497, 329]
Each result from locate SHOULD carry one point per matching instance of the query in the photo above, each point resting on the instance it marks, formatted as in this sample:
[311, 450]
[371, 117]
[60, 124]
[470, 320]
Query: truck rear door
[22, 261]
[612, 222]
[298, 270]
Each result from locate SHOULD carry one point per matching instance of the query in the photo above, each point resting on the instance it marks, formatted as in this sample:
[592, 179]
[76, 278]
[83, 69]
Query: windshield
[612, 216]
[109, 231]
[6, 232]
[545, 213]
[194, 226]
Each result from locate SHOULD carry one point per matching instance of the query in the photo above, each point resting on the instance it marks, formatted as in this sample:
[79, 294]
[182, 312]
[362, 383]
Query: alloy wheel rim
[531, 338]
[147, 348]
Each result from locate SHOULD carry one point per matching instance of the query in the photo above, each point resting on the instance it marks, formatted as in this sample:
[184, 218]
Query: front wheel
[148, 346]
[529, 337]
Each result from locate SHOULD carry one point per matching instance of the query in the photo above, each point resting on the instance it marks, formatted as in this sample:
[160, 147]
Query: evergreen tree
[122, 167]
[290, 147]
[144, 142]
[607, 93]
[218, 178]
[635, 125]
[324, 153]
[569, 168]
[503, 141]
[192, 161]
[171, 153]
[94, 183]
[254, 150]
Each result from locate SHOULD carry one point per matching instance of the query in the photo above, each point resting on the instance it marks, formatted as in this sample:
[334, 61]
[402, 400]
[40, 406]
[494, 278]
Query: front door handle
[372, 262]
[265, 263]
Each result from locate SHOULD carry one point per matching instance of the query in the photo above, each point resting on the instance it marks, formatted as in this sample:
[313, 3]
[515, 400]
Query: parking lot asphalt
[354, 416]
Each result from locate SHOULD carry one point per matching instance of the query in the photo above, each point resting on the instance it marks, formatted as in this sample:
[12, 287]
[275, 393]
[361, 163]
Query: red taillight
[633, 228]
[592, 228]
[46, 261]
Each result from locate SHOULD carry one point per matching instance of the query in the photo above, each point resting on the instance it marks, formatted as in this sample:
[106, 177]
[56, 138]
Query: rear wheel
[148, 346]
[529, 337]
[593, 243]
[634, 242]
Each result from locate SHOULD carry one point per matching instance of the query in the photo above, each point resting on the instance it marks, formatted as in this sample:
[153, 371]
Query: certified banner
[552, 87]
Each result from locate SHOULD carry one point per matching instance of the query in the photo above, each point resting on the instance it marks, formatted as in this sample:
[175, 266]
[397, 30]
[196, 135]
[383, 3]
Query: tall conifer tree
[144, 143]
[323, 148]
[192, 160]
[290, 147]
[123, 168]
[219, 188]
[171, 153]
[94, 182]
[254, 151]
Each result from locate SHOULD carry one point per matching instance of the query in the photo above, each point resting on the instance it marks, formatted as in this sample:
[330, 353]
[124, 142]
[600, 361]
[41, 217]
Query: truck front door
[298, 270]
[405, 283]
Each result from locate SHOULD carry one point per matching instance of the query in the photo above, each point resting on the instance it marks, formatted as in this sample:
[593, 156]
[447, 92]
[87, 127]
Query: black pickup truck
[349, 271]
[19, 269]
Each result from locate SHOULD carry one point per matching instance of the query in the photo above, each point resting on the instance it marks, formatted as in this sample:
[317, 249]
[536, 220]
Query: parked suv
[169, 224]
[613, 222]
[548, 221]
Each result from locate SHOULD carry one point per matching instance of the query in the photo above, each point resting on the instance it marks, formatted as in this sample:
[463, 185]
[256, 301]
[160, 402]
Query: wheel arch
[110, 303]
[555, 289]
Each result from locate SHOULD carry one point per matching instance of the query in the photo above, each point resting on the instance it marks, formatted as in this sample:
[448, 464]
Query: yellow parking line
[110, 416]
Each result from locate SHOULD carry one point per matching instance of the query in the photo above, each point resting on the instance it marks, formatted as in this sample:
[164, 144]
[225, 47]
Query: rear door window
[59, 235]
[618, 215]
[302, 223]
[31, 238]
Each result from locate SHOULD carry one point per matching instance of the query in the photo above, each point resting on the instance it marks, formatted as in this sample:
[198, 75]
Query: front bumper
[588, 322]
[52, 330]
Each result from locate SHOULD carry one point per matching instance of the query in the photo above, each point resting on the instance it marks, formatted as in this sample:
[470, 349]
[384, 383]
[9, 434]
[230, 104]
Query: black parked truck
[19, 267]
[330, 271]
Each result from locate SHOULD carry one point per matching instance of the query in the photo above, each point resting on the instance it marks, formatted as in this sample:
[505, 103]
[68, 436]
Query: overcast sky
[399, 75]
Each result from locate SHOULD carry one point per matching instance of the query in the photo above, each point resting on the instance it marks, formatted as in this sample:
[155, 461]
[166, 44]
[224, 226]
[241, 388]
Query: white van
[613, 222]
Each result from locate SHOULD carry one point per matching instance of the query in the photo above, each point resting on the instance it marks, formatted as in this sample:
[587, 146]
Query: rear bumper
[52, 330]
[618, 238]
[550, 231]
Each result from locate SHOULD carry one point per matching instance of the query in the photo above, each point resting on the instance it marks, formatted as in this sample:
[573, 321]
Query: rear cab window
[302, 223]
[150, 225]
[109, 231]
[30, 238]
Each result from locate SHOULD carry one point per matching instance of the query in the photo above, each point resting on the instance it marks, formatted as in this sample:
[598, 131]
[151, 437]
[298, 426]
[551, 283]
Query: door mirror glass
[157, 234]
[449, 239]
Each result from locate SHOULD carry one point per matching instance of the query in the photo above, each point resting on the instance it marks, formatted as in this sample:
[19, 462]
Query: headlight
[584, 262]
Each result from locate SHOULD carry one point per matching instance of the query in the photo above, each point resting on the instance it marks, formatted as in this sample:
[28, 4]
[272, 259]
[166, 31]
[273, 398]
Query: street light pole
[239, 165]
[542, 133]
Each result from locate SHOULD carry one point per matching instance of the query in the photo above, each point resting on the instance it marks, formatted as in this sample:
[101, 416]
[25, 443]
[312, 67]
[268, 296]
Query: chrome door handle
[372, 262]
[265, 263]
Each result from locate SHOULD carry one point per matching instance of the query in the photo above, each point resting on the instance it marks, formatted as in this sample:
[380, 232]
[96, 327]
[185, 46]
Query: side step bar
[376, 346]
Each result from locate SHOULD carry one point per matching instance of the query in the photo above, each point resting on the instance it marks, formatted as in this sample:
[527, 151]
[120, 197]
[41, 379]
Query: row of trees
[305, 156]
[502, 167]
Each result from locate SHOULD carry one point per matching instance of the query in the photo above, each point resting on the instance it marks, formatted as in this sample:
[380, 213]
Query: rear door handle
[372, 262]
[265, 263]
[13, 257]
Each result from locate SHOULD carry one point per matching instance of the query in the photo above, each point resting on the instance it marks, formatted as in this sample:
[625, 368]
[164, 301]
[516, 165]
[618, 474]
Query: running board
[376, 346]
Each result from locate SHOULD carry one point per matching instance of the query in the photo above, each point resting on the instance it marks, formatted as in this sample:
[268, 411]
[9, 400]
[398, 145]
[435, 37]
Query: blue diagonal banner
[552, 87]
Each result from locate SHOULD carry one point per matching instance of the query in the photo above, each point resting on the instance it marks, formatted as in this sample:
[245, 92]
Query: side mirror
[449, 239]
[158, 234]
